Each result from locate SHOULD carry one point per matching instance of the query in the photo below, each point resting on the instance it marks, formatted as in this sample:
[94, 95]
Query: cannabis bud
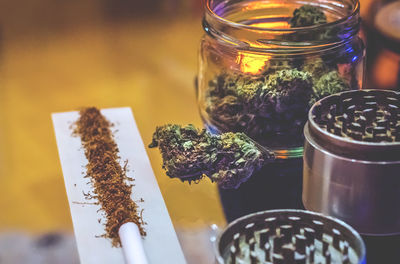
[288, 89]
[262, 107]
[307, 15]
[316, 67]
[190, 154]
[326, 79]
[329, 83]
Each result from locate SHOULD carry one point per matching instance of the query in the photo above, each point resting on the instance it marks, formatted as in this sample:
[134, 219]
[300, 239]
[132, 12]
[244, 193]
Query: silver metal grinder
[352, 160]
[352, 166]
[289, 236]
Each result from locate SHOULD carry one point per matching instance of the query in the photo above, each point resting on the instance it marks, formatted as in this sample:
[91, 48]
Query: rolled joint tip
[132, 245]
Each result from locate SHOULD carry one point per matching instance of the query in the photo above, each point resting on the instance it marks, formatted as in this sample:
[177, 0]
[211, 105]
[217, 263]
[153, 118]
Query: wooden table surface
[62, 55]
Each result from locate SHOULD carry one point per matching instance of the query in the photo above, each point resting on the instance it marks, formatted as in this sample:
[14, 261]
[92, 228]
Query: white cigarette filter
[132, 245]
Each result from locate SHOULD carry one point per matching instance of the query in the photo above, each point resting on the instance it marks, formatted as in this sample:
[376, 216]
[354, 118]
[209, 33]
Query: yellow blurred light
[251, 63]
[276, 24]
[262, 5]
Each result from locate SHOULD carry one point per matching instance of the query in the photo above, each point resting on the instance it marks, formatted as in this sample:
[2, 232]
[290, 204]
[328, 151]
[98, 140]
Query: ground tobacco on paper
[106, 174]
[272, 107]
[190, 154]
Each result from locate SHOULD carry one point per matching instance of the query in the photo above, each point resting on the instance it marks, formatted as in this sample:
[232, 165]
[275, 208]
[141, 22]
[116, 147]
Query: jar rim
[210, 11]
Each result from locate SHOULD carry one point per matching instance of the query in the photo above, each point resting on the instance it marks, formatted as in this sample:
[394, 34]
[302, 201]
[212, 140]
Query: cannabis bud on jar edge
[190, 154]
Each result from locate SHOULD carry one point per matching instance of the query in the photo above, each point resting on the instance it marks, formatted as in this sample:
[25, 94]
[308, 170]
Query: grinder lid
[363, 124]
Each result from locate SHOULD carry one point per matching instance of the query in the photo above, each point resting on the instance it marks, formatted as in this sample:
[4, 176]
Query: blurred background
[58, 55]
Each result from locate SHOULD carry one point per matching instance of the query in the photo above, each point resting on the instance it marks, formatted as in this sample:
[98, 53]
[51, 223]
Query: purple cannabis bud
[186, 151]
[238, 157]
[261, 107]
[306, 16]
[190, 154]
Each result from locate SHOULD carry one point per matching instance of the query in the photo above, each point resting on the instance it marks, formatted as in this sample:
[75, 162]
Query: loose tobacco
[106, 174]
[190, 154]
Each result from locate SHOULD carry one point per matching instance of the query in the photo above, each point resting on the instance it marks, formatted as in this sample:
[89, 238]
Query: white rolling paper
[161, 243]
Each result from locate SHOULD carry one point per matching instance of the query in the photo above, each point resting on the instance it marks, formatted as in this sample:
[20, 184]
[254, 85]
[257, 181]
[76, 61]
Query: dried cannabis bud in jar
[287, 89]
[190, 154]
[261, 107]
[326, 80]
[307, 15]
[316, 67]
[329, 83]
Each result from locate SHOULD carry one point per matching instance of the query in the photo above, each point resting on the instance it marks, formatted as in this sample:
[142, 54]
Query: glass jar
[260, 75]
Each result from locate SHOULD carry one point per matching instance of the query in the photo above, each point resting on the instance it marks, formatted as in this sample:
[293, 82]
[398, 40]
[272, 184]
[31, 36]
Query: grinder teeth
[361, 116]
[291, 240]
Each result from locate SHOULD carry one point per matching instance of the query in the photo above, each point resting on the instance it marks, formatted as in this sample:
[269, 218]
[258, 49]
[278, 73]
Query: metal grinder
[289, 236]
[352, 164]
